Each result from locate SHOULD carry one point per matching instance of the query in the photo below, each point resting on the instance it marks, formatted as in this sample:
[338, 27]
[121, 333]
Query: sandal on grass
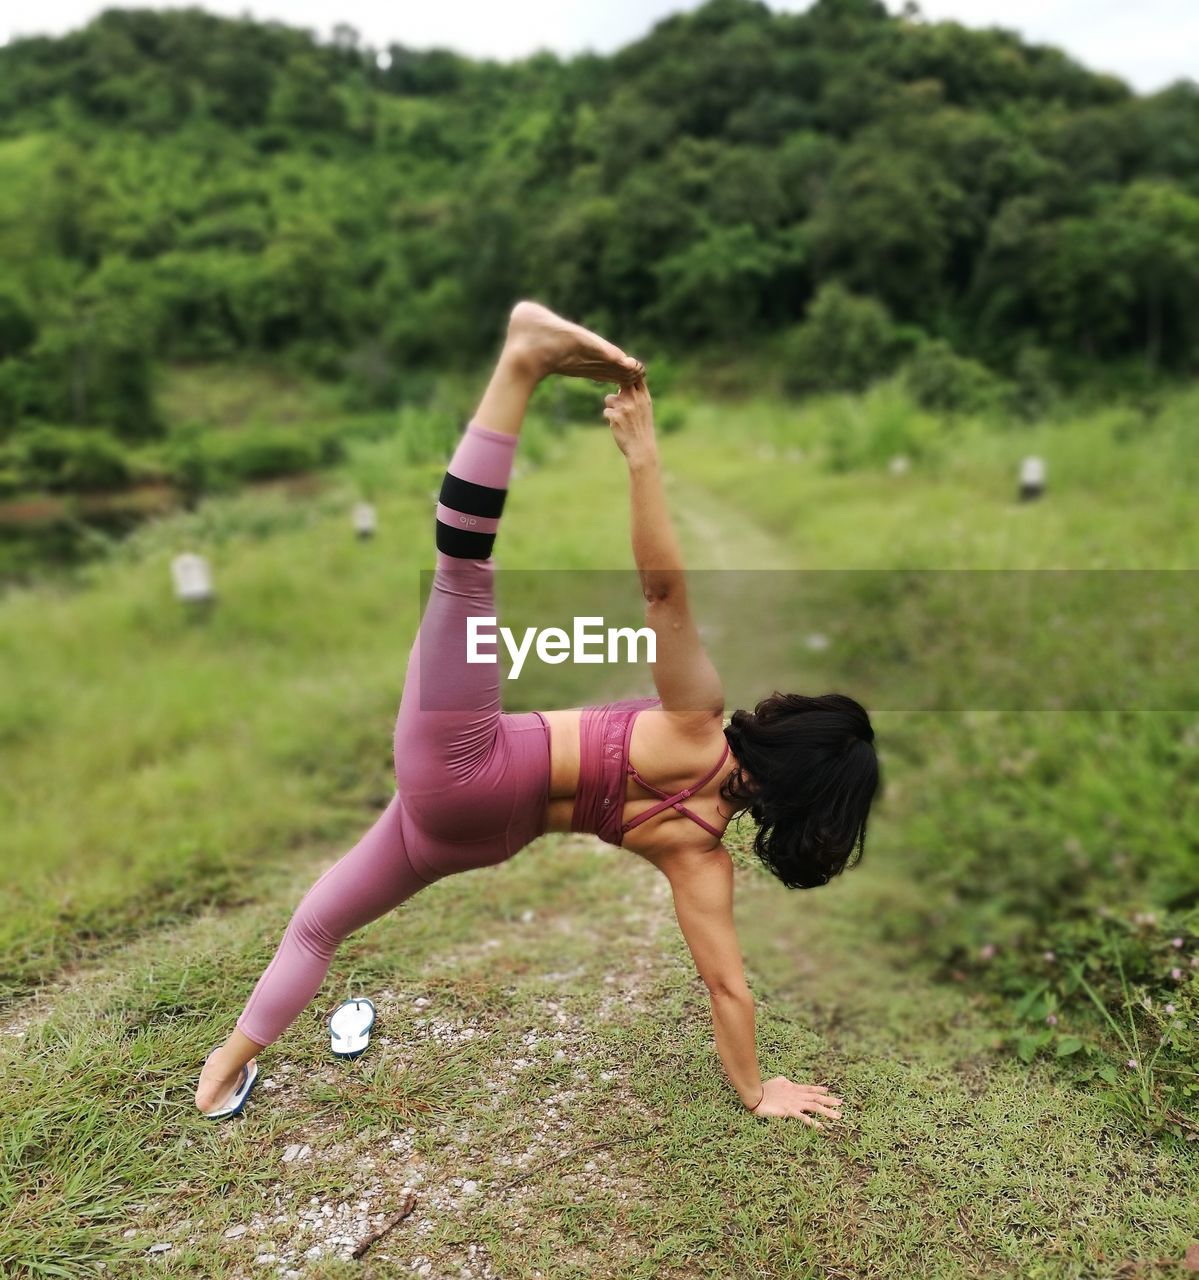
[245, 1083]
[350, 1027]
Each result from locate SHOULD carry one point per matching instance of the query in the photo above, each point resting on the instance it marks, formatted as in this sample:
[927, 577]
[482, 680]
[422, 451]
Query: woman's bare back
[669, 753]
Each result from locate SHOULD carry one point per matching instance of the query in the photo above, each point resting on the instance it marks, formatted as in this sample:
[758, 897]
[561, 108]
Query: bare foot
[549, 344]
[218, 1082]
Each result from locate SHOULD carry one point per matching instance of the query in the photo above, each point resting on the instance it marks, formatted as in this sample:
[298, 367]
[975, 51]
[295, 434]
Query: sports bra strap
[674, 801]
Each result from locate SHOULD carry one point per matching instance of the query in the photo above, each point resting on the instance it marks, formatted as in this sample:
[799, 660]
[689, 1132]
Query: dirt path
[718, 539]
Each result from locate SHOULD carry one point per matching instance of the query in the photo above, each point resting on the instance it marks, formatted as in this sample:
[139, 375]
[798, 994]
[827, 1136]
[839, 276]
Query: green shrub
[264, 452]
[662, 374]
[428, 434]
[945, 382]
[200, 460]
[192, 467]
[372, 379]
[205, 462]
[870, 430]
[669, 416]
[1035, 391]
[1115, 997]
[17, 394]
[64, 459]
[12, 474]
[83, 374]
[1062, 845]
[844, 344]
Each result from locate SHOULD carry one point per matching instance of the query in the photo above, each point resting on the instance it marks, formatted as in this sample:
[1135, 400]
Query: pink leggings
[472, 781]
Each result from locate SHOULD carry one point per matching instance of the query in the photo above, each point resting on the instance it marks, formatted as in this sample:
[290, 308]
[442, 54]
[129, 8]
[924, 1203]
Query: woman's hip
[484, 816]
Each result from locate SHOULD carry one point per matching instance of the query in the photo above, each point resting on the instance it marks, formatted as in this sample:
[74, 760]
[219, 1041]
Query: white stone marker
[193, 579]
[365, 520]
[1032, 478]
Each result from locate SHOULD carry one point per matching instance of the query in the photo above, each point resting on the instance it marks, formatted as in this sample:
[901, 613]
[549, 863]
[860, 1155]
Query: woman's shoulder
[700, 723]
[677, 749]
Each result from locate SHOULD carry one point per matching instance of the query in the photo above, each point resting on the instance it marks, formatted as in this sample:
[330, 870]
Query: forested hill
[176, 186]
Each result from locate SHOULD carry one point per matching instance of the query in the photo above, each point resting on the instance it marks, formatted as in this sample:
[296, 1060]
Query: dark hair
[807, 772]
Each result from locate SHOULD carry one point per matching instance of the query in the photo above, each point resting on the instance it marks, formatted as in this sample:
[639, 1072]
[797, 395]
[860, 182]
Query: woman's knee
[314, 931]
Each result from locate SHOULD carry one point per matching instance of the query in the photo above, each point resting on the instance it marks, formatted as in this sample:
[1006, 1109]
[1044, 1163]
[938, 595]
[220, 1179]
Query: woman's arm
[686, 680]
[702, 884]
[703, 903]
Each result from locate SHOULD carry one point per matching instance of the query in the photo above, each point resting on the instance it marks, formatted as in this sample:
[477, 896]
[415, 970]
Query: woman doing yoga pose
[657, 776]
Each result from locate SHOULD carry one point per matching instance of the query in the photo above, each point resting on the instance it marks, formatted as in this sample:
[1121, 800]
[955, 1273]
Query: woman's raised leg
[450, 710]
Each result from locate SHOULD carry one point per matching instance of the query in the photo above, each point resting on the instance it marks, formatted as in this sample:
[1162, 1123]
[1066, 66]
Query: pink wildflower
[987, 951]
[1132, 1064]
[1176, 942]
[1176, 974]
[1051, 1018]
[1049, 955]
[1170, 1010]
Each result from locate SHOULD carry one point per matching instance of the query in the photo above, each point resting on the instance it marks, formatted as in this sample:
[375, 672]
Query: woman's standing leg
[435, 744]
[374, 877]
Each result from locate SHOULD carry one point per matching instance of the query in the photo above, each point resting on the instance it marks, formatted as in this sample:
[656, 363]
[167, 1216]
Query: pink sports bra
[604, 735]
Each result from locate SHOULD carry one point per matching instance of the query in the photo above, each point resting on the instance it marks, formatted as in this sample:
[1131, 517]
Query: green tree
[942, 380]
[885, 225]
[1127, 275]
[844, 344]
[713, 288]
[17, 327]
[304, 95]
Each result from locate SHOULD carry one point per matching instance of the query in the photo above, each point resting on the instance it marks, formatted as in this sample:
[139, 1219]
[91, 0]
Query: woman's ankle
[513, 381]
[523, 360]
[223, 1061]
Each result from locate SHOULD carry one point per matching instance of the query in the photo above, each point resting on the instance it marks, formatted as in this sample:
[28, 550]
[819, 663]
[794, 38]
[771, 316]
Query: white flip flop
[249, 1074]
[350, 1027]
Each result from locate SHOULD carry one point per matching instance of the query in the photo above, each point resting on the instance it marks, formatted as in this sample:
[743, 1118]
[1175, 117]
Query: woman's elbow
[662, 586]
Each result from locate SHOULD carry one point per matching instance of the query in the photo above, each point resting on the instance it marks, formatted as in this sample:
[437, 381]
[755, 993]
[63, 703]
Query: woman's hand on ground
[781, 1097]
[630, 414]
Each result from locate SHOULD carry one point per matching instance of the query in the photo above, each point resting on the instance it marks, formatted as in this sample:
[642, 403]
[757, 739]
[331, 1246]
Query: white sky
[1149, 43]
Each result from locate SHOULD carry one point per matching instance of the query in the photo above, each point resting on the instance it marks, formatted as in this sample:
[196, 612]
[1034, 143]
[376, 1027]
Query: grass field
[543, 1077]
